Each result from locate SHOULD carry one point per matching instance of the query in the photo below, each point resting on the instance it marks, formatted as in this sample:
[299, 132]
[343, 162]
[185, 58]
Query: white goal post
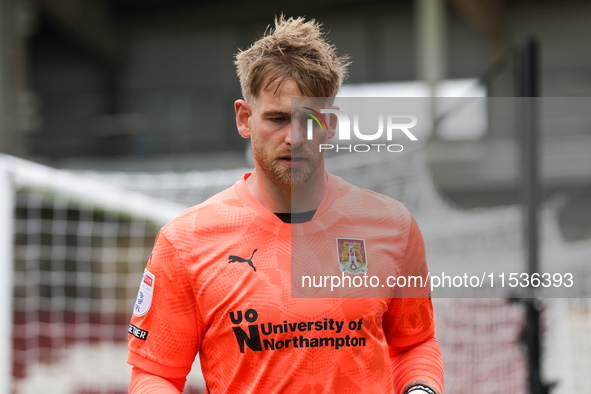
[6, 261]
[92, 194]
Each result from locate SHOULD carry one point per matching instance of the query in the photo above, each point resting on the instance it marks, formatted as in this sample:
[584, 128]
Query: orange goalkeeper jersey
[218, 283]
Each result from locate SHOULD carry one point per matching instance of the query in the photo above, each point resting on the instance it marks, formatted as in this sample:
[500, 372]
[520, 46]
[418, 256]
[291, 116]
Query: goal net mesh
[79, 254]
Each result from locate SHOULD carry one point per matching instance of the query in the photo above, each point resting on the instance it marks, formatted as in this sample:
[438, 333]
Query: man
[218, 282]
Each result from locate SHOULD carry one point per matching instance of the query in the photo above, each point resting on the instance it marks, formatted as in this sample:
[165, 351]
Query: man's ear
[243, 114]
[332, 123]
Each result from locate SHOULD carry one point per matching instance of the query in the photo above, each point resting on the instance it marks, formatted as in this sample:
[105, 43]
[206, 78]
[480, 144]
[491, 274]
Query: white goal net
[74, 245]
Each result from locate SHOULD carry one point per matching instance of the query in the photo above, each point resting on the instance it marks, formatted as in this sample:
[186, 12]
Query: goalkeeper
[218, 282]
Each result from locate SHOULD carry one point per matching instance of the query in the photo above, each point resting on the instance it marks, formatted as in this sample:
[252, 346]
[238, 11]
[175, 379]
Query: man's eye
[277, 119]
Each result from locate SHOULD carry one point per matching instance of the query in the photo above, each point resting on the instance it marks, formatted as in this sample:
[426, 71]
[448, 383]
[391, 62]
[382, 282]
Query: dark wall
[175, 82]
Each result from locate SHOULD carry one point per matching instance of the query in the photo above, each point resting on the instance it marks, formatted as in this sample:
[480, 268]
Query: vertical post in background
[430, 41]
[6, 273]
[10, 140]
[430, 48]
[527, 81]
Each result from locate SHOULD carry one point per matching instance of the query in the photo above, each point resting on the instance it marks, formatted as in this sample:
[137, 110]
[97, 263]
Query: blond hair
[295, 50]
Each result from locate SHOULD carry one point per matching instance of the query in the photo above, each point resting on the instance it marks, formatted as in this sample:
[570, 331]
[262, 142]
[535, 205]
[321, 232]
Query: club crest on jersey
[144, 296]
[351, 255]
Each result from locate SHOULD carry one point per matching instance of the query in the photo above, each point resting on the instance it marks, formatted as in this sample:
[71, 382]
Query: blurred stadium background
[117, 114]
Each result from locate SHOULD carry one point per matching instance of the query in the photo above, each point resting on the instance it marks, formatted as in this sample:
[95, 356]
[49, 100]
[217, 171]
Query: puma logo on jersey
[238, 259]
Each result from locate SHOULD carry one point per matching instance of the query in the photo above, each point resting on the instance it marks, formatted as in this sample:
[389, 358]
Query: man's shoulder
[369, 200]
[218, 210]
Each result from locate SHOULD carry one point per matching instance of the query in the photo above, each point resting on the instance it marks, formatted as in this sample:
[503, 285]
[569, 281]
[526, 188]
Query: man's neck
[279, 199]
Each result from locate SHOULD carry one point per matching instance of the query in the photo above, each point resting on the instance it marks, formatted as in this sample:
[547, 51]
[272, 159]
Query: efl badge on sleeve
[144, 296]
[351, 255]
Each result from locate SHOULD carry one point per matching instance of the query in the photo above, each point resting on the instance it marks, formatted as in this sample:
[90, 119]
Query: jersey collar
[249, 199]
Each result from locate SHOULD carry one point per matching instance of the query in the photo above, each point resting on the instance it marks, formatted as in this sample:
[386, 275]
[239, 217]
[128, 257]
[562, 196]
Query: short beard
[281, 175]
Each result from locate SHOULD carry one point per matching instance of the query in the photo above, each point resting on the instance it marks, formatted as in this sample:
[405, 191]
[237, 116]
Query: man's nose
[295, 135]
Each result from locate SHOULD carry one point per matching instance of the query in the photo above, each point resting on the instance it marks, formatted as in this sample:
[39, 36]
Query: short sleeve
[409, 317]
[164, 334]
